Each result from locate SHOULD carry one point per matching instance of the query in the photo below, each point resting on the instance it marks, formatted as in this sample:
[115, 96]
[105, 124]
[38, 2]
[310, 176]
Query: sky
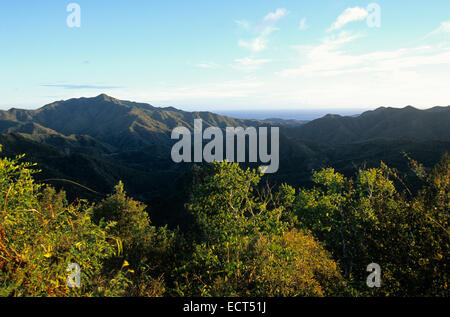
[227, 55]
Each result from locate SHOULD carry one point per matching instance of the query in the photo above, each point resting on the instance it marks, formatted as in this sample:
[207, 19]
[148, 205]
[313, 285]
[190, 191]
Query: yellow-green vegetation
[249, 240]
[368, 220]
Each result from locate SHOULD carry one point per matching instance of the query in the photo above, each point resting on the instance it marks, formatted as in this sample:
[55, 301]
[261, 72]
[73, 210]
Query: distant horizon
[289, 114]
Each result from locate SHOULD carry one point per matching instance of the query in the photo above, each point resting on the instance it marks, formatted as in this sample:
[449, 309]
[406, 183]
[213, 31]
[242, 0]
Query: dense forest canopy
[245, 238]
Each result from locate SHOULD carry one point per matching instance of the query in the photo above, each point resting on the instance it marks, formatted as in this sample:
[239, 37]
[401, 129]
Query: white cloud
[329, 59]
[303, 26]
[349, 15]
[259, 43]
[443, 28]
[249, 64]
[275, 16]
[256, 45]
[263, 29]
[324, 57]
[328, 74]
[226, 94]
[271, 19]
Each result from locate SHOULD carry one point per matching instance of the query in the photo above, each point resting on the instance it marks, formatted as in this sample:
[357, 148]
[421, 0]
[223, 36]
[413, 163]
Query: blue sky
[227, 55]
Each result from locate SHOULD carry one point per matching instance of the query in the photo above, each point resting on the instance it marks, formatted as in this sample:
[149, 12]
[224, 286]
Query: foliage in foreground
[249, 240]
[368, 220]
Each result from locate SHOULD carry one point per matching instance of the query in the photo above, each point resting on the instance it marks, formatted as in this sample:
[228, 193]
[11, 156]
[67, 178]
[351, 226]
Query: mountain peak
[410, 108]
[105, 97]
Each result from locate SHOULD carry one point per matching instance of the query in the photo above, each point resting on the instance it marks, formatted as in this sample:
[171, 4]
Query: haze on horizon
[233, 55]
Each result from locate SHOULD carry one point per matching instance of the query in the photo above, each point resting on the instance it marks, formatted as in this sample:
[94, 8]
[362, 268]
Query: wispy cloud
[323, 57]
[243, 24]
[259, 43]
[256, 45]
[443, 28]
[263, 29]
[198, 92]
[273, 17]
[330, 73]
[249, 64]
[210, 65]
[349, 15]
[303, 26]
[72, 86]
[330, 58]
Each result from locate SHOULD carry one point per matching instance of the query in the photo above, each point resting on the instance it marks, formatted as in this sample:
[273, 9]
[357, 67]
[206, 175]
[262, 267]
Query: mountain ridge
[388, 123]
[98, 141]
[124, 124]
[128, 125]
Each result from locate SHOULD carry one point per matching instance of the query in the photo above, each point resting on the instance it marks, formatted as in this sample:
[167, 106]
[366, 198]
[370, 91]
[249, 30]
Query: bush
[40, 235]
[246, 247]
[369, 220]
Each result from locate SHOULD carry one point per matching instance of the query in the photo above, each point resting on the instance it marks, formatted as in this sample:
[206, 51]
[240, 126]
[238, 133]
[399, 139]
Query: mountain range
[95, 142]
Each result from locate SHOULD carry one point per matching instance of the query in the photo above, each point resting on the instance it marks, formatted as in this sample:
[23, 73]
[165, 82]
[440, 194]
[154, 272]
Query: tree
[41, 234]
[246, 248]
[369, 220]
[147, 250]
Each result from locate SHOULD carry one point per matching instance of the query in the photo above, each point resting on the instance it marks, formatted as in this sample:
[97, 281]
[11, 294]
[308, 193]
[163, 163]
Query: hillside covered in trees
[89, 182]
[97, 142]
[244, 239]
